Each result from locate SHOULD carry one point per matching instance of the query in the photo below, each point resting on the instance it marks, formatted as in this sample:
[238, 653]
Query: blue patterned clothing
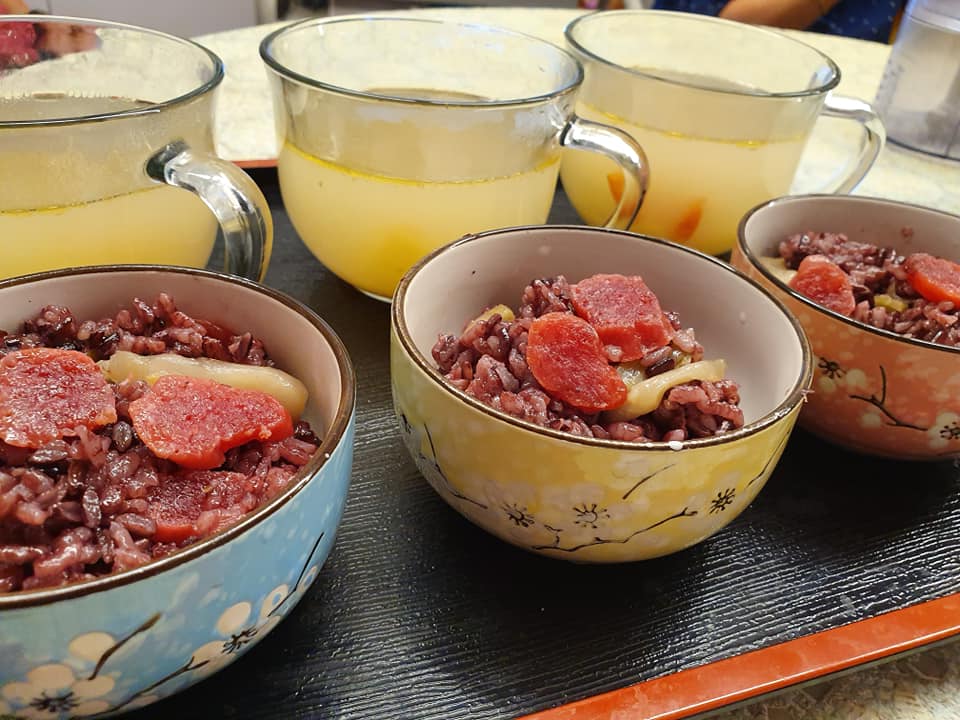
[864, 19]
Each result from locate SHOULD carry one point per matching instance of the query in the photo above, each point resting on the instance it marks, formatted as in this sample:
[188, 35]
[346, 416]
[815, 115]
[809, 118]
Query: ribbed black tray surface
[417, 614]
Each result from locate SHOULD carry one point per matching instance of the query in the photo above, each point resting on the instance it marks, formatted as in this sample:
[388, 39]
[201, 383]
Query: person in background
[22, 44]
[864, 19]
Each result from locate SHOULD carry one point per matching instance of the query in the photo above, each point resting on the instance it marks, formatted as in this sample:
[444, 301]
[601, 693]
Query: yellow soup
[369, 229]
[156, 225]
[699, 187]
[80, 197]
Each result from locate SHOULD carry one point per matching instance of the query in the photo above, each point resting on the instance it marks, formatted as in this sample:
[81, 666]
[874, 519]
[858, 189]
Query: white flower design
[512, 503]
[856, 379]
[308, 577]
[558, 500]
[91, 646]
[942, 395]
[944, 431]
[831, 376]
[913, 365]
[630, 467]
[237, 631]
[826, 384]
[871, 419]
[53, 690]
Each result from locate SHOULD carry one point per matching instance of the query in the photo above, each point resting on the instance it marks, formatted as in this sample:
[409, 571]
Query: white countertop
[923, 686]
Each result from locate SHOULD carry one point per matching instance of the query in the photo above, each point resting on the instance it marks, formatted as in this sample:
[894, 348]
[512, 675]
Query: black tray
[418, 614]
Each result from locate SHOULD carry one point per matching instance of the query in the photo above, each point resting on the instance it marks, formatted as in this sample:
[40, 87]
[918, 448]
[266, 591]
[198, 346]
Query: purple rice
[873, 271]
[77, 508]
[488, 361]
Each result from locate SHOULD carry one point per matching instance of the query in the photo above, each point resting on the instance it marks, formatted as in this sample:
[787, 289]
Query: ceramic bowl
[874, 391]
[579, 499]
[131, 638]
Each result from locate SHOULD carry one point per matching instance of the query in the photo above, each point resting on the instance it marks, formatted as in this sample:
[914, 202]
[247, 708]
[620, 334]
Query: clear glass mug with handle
[723, 111]
[107, 153]
[399, 135]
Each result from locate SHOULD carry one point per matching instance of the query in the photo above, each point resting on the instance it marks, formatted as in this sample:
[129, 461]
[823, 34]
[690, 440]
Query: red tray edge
[254, 164]
[738, 678]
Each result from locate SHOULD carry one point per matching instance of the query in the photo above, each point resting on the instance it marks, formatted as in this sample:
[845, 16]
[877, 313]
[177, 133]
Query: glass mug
[106, 154]
[723, 111]
[400, 135]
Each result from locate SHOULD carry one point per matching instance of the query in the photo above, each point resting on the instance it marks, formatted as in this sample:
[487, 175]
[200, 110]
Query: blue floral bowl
[129, 639]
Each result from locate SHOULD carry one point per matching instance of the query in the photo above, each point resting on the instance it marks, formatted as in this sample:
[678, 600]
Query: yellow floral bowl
[585, 499]
[874, 391]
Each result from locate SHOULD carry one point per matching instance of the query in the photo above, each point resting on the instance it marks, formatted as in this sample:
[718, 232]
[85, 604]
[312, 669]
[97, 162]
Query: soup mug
[722, 109]
[399, 135]
[107, 153]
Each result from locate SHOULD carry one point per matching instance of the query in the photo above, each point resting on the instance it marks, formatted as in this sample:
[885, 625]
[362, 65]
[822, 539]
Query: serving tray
[841, 560]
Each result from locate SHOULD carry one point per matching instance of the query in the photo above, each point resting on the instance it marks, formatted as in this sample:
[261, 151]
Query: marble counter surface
[922, 686]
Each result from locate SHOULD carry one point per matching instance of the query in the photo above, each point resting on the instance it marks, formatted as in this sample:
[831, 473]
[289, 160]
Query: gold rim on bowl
[329, 443]
[794, 398]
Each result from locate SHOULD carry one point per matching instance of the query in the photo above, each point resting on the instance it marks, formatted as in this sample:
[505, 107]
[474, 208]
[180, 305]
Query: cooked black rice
[873, 271]
[488, 361]
[77, 508]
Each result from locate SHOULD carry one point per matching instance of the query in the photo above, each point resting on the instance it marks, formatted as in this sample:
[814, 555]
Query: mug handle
[231, 195]
[875, 136]
[625, 151]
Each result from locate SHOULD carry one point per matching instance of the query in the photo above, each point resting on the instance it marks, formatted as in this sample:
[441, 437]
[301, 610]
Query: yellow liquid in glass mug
[370, 229]
[699, 187]
[160, 224]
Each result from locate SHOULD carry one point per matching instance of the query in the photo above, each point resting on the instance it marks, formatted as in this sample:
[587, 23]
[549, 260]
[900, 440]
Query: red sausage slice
[193, 421]
[47, 393]
[174, 505]
[625, 313]
[936, 279]
[565, 355]
[177, 503]
[824, 282]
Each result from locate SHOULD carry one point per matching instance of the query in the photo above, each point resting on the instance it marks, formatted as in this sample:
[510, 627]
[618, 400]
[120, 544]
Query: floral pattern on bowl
[87, 680]
[653, 503]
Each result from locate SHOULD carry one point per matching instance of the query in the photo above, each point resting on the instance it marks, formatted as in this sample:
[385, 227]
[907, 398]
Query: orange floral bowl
[874, 391]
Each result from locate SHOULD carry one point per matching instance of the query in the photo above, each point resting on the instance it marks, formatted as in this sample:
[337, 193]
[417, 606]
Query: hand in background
[57, 39]
[796, 14]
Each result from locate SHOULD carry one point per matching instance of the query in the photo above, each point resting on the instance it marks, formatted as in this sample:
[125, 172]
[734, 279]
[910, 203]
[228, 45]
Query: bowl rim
[794, 398]
[330, 442]
[753, 259]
